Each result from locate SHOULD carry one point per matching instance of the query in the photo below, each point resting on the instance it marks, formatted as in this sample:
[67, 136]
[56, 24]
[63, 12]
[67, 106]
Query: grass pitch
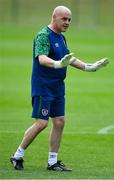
[89, 107]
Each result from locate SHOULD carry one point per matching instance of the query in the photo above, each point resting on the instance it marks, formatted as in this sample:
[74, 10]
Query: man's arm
[89, 67]
[78, 64]
[48, 62]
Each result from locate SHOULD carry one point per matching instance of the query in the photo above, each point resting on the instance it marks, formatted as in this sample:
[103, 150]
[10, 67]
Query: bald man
[50, 60]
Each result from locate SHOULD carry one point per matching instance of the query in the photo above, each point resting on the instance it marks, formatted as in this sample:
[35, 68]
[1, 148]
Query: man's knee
[41, 124]
[59, 122]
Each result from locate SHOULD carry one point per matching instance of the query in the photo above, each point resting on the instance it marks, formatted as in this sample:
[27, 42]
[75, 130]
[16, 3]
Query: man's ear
[54, 17]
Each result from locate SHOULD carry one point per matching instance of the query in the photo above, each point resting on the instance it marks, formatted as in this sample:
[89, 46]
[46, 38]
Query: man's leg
[56, 133]
[29, 136]
[40, 112]
[55, 140]
[32, 132]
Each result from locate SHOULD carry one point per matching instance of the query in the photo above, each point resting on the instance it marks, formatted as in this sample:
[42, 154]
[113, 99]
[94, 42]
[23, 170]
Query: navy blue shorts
[45, 107]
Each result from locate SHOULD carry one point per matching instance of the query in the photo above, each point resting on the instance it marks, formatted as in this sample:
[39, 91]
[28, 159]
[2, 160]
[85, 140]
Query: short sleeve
[42, 44]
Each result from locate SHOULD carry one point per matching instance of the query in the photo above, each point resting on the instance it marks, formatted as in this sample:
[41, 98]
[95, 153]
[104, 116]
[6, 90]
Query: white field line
[105, 129]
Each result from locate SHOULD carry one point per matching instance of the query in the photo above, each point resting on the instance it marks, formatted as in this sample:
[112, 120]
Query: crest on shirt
[56, 45]
[44, 112]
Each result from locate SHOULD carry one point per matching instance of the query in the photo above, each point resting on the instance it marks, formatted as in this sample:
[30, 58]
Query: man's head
[61, 18]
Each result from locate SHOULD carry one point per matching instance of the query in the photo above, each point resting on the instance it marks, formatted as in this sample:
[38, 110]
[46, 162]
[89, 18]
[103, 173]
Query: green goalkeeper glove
[97, 65]
[65, 61]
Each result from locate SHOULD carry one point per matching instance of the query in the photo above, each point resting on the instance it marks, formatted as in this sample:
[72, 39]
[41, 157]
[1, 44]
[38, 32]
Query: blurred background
[89, 96]
[90, 37]
[86, 13]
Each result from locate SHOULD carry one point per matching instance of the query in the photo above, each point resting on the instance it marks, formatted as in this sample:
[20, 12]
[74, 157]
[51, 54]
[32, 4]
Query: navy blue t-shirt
[47, 81]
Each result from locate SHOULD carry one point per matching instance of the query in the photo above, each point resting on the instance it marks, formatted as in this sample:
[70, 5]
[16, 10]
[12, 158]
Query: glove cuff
[72, 60]
[90, 67]
[57, 64]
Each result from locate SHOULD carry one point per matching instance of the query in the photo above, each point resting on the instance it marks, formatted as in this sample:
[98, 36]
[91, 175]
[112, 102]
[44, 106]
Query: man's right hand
[65, 61]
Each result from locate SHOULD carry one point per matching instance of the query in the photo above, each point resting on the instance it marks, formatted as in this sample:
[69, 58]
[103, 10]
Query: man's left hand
[101, 63]
[97, 65]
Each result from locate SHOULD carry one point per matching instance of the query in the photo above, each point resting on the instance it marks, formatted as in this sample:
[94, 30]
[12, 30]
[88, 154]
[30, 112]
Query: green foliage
[89, 107]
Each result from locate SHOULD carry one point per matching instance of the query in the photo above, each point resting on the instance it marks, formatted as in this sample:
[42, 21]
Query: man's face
[62, 22]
